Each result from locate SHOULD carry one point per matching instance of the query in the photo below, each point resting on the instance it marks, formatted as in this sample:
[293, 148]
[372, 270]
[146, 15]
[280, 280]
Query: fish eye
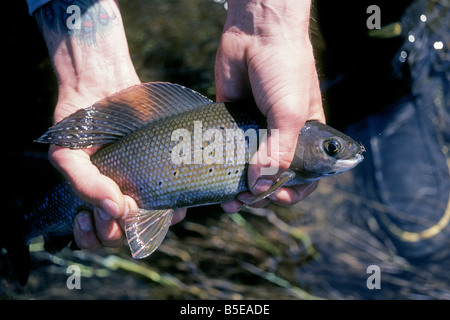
[332, 146]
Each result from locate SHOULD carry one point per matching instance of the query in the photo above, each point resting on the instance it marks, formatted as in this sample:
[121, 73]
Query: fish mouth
[346, 164]
[359, 157]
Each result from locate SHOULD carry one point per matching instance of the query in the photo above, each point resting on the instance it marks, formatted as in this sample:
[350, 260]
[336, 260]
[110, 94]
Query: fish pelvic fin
[281, 181]
[146, 230]
[116, 116]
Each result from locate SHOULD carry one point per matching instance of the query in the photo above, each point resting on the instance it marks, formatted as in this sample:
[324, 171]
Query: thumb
[277, 146]
[275, 152]
[87, 181]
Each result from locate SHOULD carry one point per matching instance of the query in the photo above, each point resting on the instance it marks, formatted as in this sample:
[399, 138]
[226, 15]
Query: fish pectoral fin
[281, 181]
[146, 230]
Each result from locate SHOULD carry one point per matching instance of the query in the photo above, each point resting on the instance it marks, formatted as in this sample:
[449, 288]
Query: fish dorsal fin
[118, 115]
[146, 229]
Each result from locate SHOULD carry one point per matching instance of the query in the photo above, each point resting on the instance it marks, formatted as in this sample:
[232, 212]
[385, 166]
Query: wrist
[269, 18]
[92, 62]
[95, 74]
[99, 76]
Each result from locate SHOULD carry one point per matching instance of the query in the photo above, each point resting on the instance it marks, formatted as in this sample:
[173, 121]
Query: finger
[87, 181]
[274, 155]
[231, 206]
[248, 197]
[231, 79]
[178, 215]
[316, 111]
[84, 231]
[293, 195]
[130, 204]
[108, 229]
[235, 205]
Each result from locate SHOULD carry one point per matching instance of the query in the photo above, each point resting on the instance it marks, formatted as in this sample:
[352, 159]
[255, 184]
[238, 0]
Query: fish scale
[156, 183]
[54, 214]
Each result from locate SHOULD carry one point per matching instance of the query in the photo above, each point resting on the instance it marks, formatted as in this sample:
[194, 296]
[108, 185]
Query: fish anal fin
[146, 229]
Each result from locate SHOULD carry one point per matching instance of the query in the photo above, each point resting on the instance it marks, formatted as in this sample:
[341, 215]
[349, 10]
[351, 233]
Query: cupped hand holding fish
[101, 227]
[104, 226]
[265, 52]
[85, 75]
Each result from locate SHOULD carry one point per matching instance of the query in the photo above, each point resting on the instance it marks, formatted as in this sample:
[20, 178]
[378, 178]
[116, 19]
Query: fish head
[324, 151]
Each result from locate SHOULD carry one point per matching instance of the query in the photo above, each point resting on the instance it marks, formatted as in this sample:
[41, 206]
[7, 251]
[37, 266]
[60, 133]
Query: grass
[309, 251]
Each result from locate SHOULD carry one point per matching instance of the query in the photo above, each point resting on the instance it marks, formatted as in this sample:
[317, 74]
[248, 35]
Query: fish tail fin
[12, 239]
[146, 229]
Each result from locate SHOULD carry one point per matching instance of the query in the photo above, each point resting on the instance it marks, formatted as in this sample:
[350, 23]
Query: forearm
[269, 18]
[272, 37]
[90, 59]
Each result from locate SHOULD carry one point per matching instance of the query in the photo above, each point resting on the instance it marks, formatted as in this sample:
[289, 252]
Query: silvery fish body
[169, 147]
[149, 171]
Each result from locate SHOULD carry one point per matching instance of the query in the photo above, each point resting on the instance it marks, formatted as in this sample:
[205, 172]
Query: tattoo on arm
[84, 20]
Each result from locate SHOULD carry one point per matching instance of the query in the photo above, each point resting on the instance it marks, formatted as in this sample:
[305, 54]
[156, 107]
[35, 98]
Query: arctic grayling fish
[138, 126]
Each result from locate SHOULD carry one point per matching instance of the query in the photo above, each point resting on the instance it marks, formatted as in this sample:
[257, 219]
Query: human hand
[104, 226]
[265, 51]
[89, 67]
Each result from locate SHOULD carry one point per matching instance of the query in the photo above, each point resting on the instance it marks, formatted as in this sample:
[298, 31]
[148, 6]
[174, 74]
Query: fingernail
[246, 197]
[261, 186]
[273, 196]
[111, 208]
[105, 216]
[84, 221]
[127, 208]
[308, 189]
